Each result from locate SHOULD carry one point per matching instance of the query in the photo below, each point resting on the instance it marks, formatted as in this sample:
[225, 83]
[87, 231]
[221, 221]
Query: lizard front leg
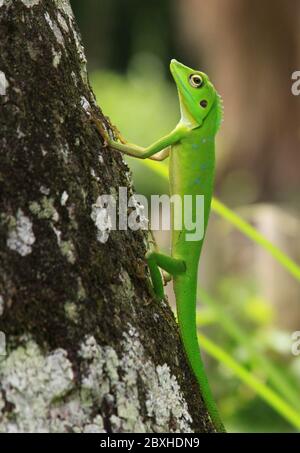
[159, 150]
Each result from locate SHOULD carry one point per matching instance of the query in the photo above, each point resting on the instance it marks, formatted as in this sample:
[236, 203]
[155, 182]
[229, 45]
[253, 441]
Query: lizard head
[197, 95]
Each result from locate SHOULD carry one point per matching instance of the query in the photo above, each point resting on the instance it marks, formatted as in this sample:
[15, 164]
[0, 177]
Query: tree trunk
[88, 349]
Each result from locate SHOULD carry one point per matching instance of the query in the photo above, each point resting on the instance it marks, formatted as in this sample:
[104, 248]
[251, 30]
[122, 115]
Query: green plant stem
[259, 387]
[219, 208]
[278, 380]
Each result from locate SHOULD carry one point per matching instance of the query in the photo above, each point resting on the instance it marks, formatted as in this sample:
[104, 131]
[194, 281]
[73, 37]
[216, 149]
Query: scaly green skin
[191, 171]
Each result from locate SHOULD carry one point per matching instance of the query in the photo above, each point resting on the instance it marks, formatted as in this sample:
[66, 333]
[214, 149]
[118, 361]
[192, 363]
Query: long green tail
[185, 290]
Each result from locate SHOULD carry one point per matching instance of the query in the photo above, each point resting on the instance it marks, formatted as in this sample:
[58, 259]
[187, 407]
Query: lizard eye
[204, 103]
[195, 81]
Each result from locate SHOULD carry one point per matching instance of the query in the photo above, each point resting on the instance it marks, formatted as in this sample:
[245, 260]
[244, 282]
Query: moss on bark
[62, 291]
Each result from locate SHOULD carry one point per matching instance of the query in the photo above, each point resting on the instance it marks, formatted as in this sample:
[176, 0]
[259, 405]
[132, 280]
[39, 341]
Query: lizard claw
[105, 143]
[100, 128]
[166, 277]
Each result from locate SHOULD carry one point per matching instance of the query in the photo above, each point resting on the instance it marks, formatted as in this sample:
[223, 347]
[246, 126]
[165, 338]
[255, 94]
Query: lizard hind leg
[172, 266]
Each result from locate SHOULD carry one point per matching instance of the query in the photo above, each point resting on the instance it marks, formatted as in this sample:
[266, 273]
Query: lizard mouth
[174, 66]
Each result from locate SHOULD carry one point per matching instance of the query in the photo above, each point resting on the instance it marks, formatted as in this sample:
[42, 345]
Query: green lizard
[191, 149]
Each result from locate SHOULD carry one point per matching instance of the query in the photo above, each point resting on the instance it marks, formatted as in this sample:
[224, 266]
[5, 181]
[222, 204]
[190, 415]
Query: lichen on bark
[88, 348]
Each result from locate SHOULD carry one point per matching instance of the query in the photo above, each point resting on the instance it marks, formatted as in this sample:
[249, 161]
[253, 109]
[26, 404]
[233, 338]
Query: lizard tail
[185, 290]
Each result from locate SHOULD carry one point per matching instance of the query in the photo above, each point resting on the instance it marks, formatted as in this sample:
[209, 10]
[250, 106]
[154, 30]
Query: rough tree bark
[88, 348]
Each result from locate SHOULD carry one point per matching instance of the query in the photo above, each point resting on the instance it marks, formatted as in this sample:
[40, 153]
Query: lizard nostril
[203, 103]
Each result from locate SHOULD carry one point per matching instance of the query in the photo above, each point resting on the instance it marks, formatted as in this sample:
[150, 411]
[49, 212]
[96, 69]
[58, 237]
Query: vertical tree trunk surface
[88, 349]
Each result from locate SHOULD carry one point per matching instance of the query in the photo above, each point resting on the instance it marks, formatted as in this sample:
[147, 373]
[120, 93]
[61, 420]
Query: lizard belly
[191, 173]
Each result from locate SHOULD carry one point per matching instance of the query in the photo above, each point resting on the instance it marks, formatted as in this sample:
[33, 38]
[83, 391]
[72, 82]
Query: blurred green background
[248, 304]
